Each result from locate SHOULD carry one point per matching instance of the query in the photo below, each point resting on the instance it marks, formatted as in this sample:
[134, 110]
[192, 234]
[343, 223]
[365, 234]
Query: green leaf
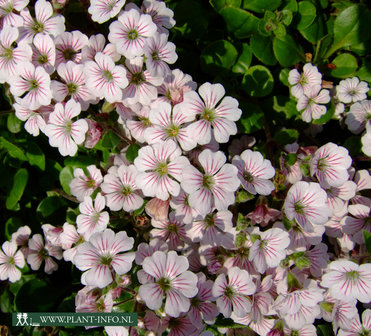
[367, 238]
[244, 60]
[285, 16]
[11, 226]
[35, 155]
[49, 205]
[218, 56]
[220, 4]
[316, 30]
[258, 81]
[346, 65]
[13, 150]
[79, 162]
[260, 6]
[290, 5]
[252, 118]
[262, 49]
[132, 152]
[14, 124]
[240, 22]
[65, 178]
[19, 184]
[284, 76]
[110, 140]
[324, 330]
[351, 27]
[353, 144]
[6, 301]
[291, 159]
[306, 14]
[286, 136]
[364, 72]
[323, 46]
[287, 51]
[285, 105]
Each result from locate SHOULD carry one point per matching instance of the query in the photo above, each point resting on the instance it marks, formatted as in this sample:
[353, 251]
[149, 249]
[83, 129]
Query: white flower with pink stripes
[92, 219]
[231, 295]
[32, 84]
[330, 164]
[8, 17]
[11, 56]
[103, 10]
[301, 82]
[269, 248]
[120, 189]
[160, 169]
[62, 131]
[43, 52]
[215, 186]
[254, 172]
[69, 46]
[159, 53]
[217, 115]
[105, 79]
[347, 281]
[170, 279]
[10, 261]
[130, 32]
[102, 256]
[306, 202]
[45, 21]
[357, 328]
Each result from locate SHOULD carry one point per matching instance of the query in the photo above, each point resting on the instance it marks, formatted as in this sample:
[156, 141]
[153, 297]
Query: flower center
[132, 34]
[352, 275]
[299, 207]
[68, 126]
[162, 169]
[248, 177]
[43, 59]
[229, 292]
[172, 228]
[107, 75]
[126, 190]
[364, 332]
[90, 183]
[38, 27]
[209, 115]
[321, 164]
[173, 131]
[72, 88]
[207, 181]
[106, 259]
[69, 54]
[33, 84]
[137, 78]
[8, 54]
[209, 221]
[165, 284]
[8, 7]
[145, 121]
[303, 79]
[155, 56]
[11, 260]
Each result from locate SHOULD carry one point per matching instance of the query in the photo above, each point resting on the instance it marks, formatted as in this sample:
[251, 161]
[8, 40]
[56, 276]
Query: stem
[65, 195]
[124, 301]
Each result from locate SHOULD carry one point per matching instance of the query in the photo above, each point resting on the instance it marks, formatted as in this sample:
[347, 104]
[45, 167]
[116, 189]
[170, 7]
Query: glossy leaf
[286, 136]
[262, 48]
[19, 184]
[35, 155]
[13, 150]
[287, 51]
[244, 60]
[346, 65]
[239, 22]
[352, 26]
[132, 152]
[286, 105]
[220, 4]
[14, 124]
[367, 239]
[316, 31]
[306, 14]
[252, 118]
[110, 140]
[258, 81]
[11, 226]
[65, 178]
[260, 6]
[49, 205]
[364, 72]
[218, 56]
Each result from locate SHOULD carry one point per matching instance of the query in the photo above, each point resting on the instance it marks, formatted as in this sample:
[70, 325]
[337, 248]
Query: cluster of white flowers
[349, 96]
[194, 261]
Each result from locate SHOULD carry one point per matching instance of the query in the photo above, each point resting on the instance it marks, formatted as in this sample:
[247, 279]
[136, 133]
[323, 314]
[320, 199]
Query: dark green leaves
[240, 22]
[258, 81]
[19, 184]
[287, 50]
[306, 14]
[218, 56]
[346, 65]
[351, 27]
[260, 6]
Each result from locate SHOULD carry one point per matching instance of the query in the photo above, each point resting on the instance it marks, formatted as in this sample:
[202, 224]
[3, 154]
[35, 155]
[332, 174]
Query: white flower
[358, 116]
[309, 103]
[302, 82]
[10, 259]
[351, 90]
[62, 131]
[103, 10]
